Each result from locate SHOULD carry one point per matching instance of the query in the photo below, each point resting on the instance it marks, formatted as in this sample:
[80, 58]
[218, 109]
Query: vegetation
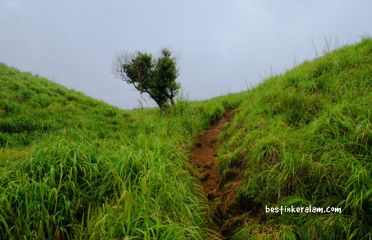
[305, 138]
[73, 167]
[76, 168]
[157, 78]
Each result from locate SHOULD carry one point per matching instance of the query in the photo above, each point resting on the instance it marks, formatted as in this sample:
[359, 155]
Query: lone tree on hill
[156, 77]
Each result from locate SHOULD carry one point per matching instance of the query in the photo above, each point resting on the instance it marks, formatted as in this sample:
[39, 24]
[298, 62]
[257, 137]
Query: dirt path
[220, 190]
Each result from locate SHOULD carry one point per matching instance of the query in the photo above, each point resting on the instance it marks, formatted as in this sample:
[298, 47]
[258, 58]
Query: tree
[156, 77]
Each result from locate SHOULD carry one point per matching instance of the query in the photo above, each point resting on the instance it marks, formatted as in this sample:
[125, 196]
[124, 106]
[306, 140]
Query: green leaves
[156, 77]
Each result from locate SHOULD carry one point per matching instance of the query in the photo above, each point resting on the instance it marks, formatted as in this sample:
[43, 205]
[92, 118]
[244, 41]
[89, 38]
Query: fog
[220, 46]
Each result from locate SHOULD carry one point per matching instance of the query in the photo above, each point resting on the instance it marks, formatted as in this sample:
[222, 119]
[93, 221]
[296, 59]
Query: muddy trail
[219, 190]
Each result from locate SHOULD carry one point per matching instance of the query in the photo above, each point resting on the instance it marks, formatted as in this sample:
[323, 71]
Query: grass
[76, 168]
[305, 137]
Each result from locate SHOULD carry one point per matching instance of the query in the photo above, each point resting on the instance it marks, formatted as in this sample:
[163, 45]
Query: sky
[221, 46]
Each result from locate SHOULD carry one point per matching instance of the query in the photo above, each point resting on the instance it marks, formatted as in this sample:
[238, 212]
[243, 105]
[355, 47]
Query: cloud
[222, 46]
[12, 3]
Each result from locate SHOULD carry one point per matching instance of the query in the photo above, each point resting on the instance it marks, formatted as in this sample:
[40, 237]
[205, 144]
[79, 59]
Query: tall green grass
[305, 137]
[76, 168]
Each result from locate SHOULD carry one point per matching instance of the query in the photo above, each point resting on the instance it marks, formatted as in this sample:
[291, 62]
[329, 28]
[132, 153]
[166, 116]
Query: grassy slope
[305, 137]
[73, 167]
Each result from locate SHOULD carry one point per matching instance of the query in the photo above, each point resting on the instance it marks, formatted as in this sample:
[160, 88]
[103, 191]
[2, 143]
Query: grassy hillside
[76, 168]
[72, 167]
[305, 138]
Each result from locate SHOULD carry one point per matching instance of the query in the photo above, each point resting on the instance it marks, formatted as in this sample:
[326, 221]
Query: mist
[221, 46]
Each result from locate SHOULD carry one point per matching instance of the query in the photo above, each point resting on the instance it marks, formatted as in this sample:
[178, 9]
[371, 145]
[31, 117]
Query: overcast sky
[222, 46]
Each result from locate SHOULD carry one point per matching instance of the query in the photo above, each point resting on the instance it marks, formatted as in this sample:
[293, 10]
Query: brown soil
[220, 191]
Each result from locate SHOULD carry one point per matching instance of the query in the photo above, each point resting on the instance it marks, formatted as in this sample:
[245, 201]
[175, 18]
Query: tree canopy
[156, 77]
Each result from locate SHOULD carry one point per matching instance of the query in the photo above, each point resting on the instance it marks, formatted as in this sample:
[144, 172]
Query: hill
[73, 167]
[304, 139]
